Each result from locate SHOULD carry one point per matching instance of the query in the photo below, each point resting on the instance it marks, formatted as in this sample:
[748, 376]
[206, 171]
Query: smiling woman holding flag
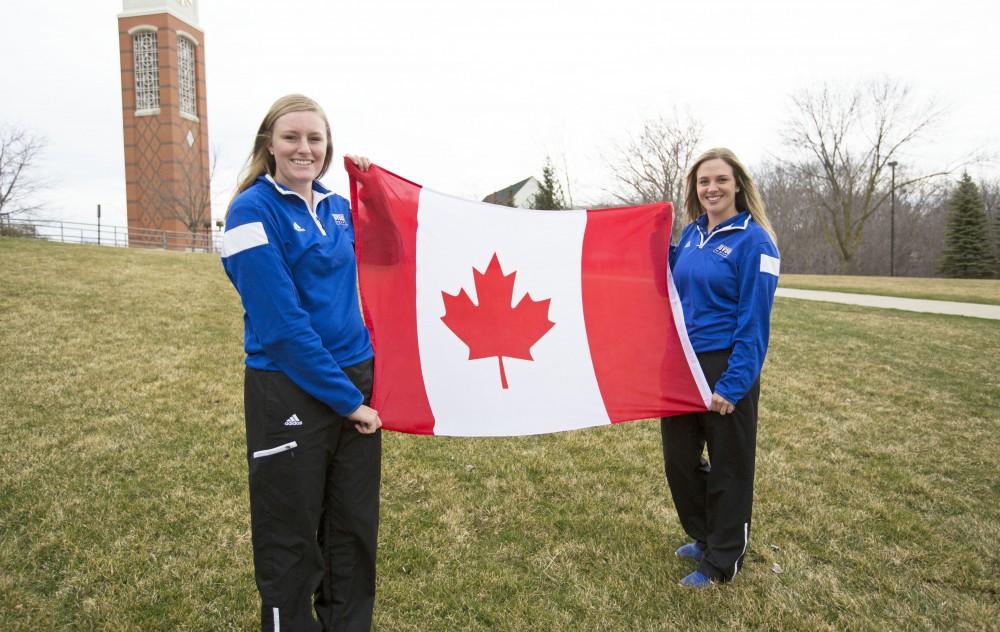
[725, 268]
[313, 444]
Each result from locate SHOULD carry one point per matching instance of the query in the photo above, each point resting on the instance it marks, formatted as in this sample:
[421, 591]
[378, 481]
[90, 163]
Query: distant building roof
[516, 194]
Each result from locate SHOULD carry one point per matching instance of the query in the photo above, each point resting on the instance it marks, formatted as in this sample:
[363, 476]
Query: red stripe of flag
[637, 354]
[384, 209]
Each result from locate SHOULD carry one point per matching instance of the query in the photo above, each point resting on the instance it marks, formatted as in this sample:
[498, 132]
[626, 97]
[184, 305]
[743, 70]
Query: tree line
[841, 197]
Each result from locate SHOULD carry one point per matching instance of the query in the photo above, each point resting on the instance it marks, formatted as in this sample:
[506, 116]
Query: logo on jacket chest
[722, 250]
[340, 219]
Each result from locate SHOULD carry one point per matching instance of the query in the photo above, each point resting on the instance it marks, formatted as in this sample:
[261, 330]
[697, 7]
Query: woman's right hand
[721, 405]
[361, 162]
[365, 419]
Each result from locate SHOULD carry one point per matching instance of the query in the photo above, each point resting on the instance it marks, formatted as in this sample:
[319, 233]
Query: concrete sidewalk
[974, 310]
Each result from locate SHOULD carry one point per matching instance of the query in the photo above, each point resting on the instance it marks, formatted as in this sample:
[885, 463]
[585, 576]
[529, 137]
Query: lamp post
[892, 221]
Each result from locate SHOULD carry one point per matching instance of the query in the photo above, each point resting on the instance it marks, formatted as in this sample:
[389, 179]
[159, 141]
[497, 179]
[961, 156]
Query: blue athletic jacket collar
[321, 193]
[316, 187]
[740, 221]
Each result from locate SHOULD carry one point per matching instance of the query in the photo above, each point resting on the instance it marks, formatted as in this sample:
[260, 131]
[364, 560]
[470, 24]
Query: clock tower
[165, 120]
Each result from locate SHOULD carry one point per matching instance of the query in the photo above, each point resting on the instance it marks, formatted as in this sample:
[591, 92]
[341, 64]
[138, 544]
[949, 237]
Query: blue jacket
[297, 278]
[726, 281]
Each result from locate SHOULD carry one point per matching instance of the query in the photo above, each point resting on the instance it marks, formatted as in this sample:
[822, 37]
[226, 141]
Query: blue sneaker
[696, 580]
[690, 551]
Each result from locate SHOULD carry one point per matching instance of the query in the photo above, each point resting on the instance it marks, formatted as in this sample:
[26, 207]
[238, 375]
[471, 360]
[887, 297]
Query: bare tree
[990, 188]
[19, 154]
[921, 210]
[569, 189]
[651, 167]
[843, 144]
[189, 200]
[919, 230]
[799, 229]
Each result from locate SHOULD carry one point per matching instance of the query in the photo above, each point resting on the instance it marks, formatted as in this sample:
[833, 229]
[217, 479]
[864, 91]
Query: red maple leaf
[494, 328]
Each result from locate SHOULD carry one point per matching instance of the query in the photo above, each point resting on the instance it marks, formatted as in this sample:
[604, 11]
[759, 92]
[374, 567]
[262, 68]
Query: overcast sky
[468, 96]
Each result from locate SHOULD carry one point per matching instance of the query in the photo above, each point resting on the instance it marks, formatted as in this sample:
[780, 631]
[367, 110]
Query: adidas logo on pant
[293, 421]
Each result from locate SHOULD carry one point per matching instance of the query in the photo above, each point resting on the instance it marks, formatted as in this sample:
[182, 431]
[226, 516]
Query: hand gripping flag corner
[493, 321]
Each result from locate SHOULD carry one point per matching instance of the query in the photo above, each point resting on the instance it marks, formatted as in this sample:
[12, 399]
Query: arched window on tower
[147, 72]
[186, 75]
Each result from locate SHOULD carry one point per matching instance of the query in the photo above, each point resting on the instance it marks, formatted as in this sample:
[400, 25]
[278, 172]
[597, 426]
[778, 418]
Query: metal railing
[102, 235]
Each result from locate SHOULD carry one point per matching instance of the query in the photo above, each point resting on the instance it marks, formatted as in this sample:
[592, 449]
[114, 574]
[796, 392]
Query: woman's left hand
[721, 405]
[361, 162]
[366, 419]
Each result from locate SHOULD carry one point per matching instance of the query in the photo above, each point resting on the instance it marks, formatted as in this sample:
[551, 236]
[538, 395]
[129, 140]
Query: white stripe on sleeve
[769, 264]
[236, 240]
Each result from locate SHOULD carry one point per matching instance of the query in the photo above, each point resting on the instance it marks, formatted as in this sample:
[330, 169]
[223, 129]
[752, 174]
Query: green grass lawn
[962, 290]
[123, 500]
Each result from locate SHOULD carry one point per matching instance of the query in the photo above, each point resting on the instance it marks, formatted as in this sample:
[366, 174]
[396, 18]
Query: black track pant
[314, 499]
[714, 497]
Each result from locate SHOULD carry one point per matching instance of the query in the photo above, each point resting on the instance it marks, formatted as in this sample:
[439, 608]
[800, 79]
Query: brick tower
[165, 119]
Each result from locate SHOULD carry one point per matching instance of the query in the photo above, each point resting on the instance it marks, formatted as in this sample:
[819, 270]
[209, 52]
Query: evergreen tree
[991, 199]
[996, 245]
[968, 252]
[550, 193]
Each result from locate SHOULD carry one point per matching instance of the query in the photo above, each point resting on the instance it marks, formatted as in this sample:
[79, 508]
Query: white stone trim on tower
[185, 10]
[142, 27]
[185, 34]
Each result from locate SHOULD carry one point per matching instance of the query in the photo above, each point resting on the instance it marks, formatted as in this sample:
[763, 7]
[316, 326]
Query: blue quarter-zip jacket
[296, 275]
[726, 281]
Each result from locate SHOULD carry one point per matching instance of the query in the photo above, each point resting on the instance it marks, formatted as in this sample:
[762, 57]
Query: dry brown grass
[123, 487]
[961, 290]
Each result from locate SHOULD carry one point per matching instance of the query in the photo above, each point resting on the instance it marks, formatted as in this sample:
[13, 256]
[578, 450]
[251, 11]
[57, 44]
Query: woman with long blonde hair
[725, 268]
[313, 443]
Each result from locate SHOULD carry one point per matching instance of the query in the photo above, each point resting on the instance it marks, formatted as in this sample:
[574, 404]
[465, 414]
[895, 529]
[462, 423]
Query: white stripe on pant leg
[736, 564]
[277, 620]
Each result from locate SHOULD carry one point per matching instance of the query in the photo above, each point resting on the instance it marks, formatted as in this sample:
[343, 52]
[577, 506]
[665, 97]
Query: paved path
[975, 310]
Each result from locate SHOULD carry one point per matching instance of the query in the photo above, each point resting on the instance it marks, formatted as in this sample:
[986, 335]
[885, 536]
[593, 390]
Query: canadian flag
[496, 321]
